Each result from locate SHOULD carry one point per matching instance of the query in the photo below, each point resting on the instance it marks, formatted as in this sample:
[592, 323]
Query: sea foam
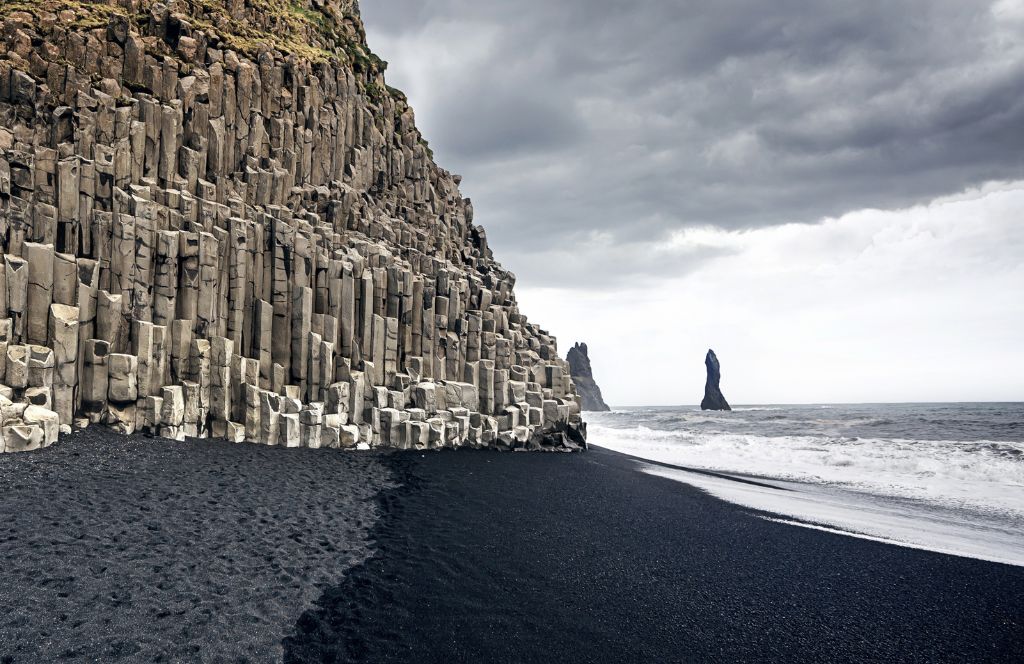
[986, 476]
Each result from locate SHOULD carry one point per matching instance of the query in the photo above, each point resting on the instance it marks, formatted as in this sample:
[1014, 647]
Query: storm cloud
[591, 130]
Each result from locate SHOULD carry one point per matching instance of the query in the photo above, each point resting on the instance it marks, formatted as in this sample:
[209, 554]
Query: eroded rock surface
[583, 376]
[216, 219]
[713, 397]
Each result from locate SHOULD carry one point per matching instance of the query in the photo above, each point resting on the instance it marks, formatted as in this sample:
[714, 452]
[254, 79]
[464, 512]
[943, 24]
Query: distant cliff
[218, 220]
[583, 377]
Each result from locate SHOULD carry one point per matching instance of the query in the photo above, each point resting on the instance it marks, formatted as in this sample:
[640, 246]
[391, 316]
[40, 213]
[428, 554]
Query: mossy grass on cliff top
[317, 30]
[86, 15]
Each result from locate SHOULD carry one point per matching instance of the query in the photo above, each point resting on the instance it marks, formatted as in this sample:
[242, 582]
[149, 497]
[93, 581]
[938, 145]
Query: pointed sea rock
[713, 397]
[583, 376]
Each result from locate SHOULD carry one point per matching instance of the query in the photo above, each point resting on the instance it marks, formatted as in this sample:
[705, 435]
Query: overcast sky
[829, 193]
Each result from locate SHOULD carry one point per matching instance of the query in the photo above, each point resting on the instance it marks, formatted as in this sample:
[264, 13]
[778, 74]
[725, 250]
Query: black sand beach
[142, 550]
[532, 558]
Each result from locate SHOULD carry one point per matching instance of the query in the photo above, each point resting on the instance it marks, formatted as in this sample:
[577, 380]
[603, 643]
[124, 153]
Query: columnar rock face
[217, 220]
[713, 397]
[583, 377]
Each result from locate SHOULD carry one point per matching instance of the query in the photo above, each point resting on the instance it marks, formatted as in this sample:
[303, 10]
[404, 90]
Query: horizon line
[820, 403]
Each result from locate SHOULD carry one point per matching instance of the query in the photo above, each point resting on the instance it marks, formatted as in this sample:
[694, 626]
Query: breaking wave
[980, 475]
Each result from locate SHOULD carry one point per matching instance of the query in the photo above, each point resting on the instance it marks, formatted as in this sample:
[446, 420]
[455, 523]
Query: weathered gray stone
[121, 417]
[251, 411]
[5, 339]
[16, 278]
[172, 412]
[39, 396]
[22, 437]
[235, 433]
[349, 436]
[269, 418]
[40, 366]
[45, 419]
[17, 366]
[108, 319]
[222, 228]
[40, 291]
[122, 377]
[64, 338]
[142, 348]
[311, 422]
[424, 396]
[290, 433]
[95, 381]
[330, 437]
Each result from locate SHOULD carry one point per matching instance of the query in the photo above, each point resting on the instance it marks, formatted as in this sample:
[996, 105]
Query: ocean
[946, 477]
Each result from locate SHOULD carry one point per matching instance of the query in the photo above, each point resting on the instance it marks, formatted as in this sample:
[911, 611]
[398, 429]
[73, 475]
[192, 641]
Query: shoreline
[522, 558]
[128, 548]
[844, 511]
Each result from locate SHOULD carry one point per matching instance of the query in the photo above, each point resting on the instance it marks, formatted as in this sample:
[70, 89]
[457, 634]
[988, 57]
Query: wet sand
[533, 558]
[133, 549]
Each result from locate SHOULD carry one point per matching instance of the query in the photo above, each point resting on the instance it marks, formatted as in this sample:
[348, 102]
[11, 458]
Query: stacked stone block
[198, 241]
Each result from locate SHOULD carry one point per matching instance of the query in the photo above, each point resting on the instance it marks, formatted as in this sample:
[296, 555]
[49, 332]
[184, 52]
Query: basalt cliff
[217, 220]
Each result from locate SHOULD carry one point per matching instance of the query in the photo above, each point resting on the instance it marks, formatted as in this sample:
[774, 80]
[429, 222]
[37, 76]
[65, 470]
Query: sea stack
[218, 220]
[713, 397]
[583, 377]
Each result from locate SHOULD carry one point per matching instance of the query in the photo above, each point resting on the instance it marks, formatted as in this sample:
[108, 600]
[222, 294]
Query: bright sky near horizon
[823, 192]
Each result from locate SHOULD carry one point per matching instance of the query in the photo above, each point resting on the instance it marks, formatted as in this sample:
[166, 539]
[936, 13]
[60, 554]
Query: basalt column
[217, 220]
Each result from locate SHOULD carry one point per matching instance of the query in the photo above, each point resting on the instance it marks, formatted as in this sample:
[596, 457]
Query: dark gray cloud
[626, 121]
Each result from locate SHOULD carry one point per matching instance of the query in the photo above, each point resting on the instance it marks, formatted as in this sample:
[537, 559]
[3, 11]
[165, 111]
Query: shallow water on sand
[947, 477]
